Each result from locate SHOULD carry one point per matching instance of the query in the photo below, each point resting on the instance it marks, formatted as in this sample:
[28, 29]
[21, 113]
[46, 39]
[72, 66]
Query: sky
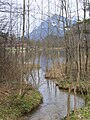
[36, 9]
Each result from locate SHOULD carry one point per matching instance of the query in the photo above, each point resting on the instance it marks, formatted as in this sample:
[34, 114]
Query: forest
[44, 60]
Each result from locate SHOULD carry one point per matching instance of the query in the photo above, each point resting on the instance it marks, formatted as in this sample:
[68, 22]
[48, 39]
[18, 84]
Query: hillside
[42, 31]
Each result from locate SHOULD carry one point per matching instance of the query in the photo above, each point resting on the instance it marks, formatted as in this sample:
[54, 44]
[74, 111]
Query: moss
[18, 106]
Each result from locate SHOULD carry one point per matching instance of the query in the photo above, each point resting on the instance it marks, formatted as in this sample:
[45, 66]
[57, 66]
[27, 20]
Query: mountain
[55, 28]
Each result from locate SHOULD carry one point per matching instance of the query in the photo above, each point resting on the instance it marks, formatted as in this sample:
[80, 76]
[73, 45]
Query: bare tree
[22, 55]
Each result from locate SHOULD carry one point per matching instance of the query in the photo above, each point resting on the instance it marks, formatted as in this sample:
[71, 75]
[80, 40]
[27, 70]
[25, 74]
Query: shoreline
[17, 107]
[81, 113]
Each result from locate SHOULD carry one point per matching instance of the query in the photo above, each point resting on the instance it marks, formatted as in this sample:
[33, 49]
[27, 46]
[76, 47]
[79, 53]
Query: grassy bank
[16, 106]
[17, 98]
[69, 83]
[82, 88]
[82, 113]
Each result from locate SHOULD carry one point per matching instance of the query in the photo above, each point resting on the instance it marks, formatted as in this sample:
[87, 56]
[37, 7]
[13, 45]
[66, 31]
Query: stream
[55, 101]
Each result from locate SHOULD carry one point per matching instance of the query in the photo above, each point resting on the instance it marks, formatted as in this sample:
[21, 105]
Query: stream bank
[15, 106]
[84, 112]
[69, 82]
[54, 106]
[83, 89]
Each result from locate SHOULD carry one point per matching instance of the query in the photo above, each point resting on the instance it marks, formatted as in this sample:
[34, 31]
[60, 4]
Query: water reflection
[55, 101]
[46, 60]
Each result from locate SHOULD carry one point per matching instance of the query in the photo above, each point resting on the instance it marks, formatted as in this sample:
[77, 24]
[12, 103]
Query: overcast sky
[36, 8]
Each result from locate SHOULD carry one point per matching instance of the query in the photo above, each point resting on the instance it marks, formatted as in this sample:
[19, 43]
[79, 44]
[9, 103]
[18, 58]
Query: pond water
[55, 101]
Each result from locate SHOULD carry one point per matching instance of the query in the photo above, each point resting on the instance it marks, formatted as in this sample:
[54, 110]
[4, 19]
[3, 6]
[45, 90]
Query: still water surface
[54, 106]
